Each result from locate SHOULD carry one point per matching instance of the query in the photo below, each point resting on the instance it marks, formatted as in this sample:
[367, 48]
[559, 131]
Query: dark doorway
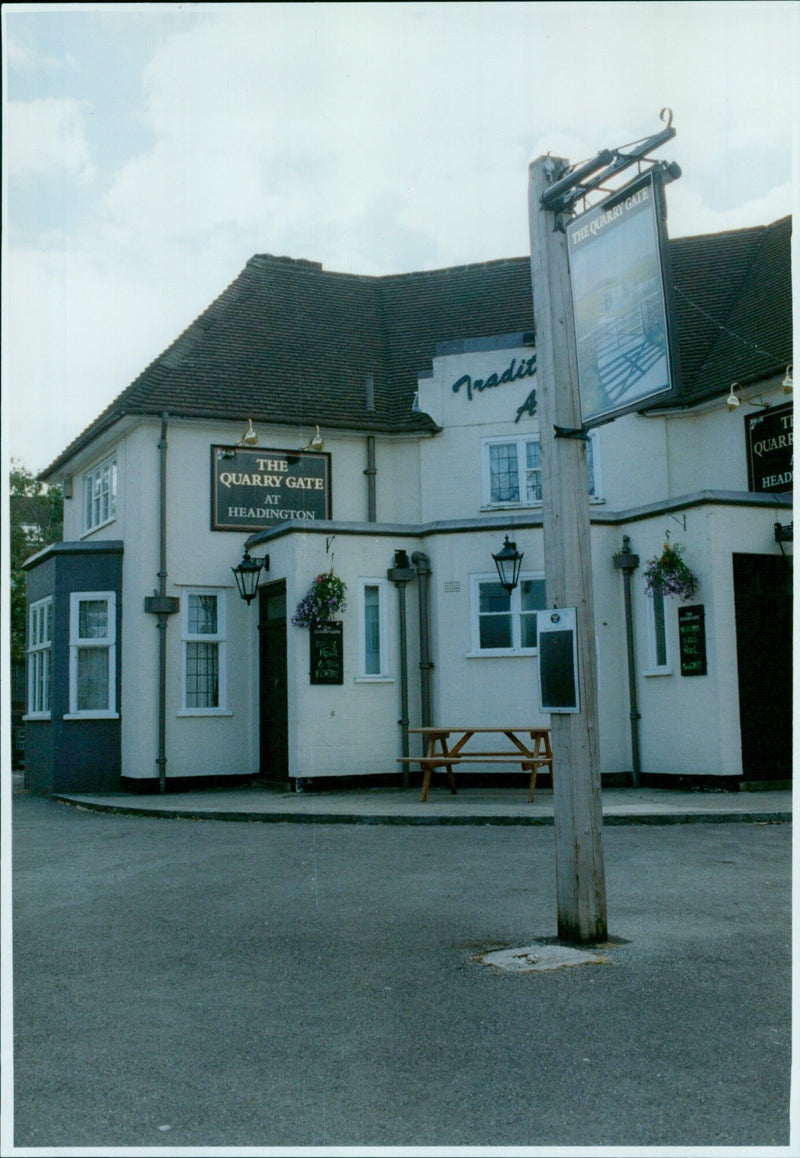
[763, 600]
[273, 683]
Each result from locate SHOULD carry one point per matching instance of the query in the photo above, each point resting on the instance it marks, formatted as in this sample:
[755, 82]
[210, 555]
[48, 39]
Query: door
[763, 601]
[273, 683]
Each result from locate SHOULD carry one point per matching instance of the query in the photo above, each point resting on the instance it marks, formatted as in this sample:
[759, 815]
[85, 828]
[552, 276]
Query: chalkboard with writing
[692, 636]
[327, 665]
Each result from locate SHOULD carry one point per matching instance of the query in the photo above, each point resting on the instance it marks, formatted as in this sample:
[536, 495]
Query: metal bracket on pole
[584, 179]
[569, 432]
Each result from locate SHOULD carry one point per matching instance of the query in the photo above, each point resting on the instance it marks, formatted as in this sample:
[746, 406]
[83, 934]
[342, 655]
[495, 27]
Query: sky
[150, 150]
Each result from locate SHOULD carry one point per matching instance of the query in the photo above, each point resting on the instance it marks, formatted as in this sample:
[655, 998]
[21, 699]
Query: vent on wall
[452, 585]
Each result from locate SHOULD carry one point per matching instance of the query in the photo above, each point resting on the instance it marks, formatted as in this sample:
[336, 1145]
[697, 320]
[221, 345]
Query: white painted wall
[688, 725]
[352, 728]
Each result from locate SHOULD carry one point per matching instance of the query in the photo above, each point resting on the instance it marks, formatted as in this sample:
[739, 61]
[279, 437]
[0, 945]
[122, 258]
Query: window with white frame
[100, 494]
[203, 641]
[373, 635]
[657, 635]
[504, 623]
[92, 654]
[512, 471]
[40, 642]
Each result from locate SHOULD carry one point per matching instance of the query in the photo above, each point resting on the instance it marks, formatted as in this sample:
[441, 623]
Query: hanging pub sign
[770, 463]
[327, 651]
[692, 640]
[618, 259]
[252, 489]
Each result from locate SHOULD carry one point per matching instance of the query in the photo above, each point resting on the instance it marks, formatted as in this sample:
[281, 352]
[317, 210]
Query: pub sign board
[254, 488]
[770, 450]
[692, 640]
[327, 651]
[621, 300]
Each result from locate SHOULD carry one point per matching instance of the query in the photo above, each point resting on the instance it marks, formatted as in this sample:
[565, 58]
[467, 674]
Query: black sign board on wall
[327, 652]
[770, 450]
[692, 638]
[255, 488]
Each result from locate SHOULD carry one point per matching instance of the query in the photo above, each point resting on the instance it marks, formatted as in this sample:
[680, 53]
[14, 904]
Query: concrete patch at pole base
[535, 958]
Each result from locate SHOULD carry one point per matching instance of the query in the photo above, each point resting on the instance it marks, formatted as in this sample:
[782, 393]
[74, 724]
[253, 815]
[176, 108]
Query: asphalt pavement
[183, 983]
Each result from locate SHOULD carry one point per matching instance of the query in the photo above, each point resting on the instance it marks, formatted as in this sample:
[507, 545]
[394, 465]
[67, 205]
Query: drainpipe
[371, 471]
[627, 562]
[162, 605]
[401, 574]
[420, 561]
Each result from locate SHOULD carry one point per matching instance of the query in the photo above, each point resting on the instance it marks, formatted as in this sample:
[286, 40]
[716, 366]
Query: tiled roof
[733, 307]
[288, 342]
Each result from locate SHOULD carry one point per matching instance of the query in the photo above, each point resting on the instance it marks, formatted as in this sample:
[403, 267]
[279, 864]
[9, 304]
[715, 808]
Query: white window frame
[105, 473]
[516, 617]
[40, 651]
[520, 442]
[594, 484]
[219, 638]
[77, 644]
[383, 674]
[654, 667]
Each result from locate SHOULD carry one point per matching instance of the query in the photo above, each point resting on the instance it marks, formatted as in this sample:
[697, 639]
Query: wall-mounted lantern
[508, 561]
[247, 574]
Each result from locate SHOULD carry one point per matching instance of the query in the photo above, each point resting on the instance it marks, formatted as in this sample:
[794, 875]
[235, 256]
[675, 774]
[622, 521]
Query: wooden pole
[580, 876]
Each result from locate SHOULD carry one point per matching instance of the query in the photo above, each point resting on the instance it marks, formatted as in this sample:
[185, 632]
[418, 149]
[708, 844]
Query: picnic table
[447, 746]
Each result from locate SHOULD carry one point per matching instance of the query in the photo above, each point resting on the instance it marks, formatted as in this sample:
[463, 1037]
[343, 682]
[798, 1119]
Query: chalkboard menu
[692, 636]
[327, 665]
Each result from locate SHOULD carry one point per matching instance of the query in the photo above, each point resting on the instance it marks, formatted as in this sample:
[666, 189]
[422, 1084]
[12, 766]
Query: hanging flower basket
[667, 574]
[325, 597]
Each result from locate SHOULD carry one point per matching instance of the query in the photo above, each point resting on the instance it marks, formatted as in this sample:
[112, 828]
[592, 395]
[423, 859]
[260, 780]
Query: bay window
[92, 655]
[40, 641]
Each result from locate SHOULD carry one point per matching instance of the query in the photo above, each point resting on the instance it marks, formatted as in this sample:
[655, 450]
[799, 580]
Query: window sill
[99, 527]
[594, 501]
[46, 716]
[196, 713]
[658, 671]
[373, 679]
[503, 653]
[512, 506]
[90, 716]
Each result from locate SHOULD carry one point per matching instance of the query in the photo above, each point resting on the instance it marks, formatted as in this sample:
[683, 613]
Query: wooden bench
[531, 749]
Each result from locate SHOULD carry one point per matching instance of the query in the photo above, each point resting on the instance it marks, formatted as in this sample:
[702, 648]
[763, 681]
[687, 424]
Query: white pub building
[385, 430]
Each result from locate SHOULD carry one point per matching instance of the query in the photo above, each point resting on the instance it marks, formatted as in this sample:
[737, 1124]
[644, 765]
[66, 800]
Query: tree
[36, 519]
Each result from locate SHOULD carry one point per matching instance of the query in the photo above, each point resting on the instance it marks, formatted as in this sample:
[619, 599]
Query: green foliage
[36, 519]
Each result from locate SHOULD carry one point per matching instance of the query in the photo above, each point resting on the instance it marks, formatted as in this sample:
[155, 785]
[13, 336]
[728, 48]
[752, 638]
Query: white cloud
[375, 138]
[287, 124]
[47, 136]
[75, 349]
[20, 56]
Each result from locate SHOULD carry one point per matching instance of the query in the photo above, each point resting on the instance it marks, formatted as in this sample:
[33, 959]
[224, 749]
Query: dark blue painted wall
[73, 755]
